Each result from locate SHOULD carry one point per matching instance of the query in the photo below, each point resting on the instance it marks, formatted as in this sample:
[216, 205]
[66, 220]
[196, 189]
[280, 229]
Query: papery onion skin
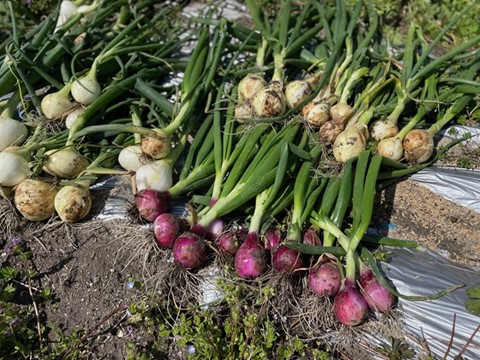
[73, 203]
[190, 251]
[348, 144]
[349, 306]
[152, 203]
[65, 163]
[86, 90]
[156, 147]
[391, 148]
[325, 279]
[296, 91]
[328, 132]
[166, 228]
[34, 199]
[418, 146]
[269, 101]
[316, 113]
[14, 168]
[286, 260]
[12, 132]
[250, 259]
[132, 157]
[377, 297]
[249, 86]
[310, 237]
[244, 110]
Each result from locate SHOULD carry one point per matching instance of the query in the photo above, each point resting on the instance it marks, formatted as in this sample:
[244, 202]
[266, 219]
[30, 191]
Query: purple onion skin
[250, 259]
[310, 237]
[377, 297]
[272, 238]
[216, 228]
[325, 279]
[190, 251]
[349, 306]
[229, 242]
[166, 228]
[152, 203]
[285, 260]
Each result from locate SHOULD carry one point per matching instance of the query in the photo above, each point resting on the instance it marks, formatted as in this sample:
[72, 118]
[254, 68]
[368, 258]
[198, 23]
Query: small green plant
[396, 350]
[21, 332]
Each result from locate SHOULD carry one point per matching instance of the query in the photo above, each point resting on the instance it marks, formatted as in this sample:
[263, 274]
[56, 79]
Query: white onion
[132, 157]
[12, 132]
[65, 163]
[34, 199]
[349, 143]
[341, 113]
[296, 91]
[67, 9]
[14, 168]
[73, 202]
[418, 146]
[244, 110]
[269, 101]
[249, 86]
[156, 175]
[391, 148]
[382, 129]
[73, 116]
[316, 113]
[86, 90]
[57, 104]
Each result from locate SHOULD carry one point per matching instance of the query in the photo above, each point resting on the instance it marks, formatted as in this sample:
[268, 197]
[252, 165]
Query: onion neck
[11, 106]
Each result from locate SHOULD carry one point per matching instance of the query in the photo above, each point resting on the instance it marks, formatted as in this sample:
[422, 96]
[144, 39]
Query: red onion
[151, 203]
[216, 228]
[325, 279]
[272, 238]
[166, 228]
[310, 237]
[349, 305]
[250, 259]
[189, 250]
[231, 241]
[286, 260]
[377, 297]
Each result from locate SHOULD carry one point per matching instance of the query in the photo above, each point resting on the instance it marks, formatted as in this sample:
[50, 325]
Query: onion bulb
[377, 297]
[65, 163]
[249, 86]
[34, 199]
[156, 175]
[316, 113]
[349, 305]
[57, 105]
[86, 89]
[391, 148]
[329, 131]
[166, 228]
[244, 110]
[72, 116]
[325, 279]
[382, 129]
[14, 168]
[340, 113]
[250, 259]
[67, 9]
[296, 91]
[418, 146]
[156, 147]
[73, 202]
[132, 157]
[12, 132]
[286, 260]
[152, 203]
[190, 250]
[349, 143]
[269, 101]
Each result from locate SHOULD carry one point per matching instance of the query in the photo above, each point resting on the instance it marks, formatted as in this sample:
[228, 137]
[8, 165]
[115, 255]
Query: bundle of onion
[12, 132]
